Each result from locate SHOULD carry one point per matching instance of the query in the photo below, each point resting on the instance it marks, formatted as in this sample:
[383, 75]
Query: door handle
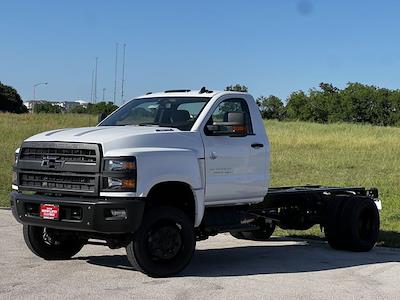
[257, 145]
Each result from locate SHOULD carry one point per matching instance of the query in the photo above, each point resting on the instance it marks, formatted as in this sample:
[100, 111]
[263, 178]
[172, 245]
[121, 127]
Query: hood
[112, 138]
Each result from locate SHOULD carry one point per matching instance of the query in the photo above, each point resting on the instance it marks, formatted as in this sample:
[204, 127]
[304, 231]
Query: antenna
[123, 74]
[115, 71]
[95, 81]
[91, 89]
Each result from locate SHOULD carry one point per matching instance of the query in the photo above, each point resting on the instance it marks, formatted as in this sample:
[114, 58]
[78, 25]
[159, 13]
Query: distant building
[68, 105]
[31, 104]
[65, 105]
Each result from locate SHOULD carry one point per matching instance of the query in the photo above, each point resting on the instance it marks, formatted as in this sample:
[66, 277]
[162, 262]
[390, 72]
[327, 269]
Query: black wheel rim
[164, 241]
[49, 238]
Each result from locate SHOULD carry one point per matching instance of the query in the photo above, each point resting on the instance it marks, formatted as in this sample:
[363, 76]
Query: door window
[221, 113]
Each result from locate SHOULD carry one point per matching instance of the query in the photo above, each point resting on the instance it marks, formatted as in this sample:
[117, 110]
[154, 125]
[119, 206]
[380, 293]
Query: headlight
[119, 174]
[119, 164]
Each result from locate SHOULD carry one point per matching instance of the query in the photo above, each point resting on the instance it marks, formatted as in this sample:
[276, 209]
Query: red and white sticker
[49, 211]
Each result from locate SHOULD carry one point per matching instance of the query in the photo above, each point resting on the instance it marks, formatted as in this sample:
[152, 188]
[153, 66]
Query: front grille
[66, 155]
[57, 167]
[59, 182]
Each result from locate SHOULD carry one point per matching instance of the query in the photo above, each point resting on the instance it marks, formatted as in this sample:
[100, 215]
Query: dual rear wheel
[352, 223]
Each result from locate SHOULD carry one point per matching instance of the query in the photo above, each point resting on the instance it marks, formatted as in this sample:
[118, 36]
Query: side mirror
[101, 116]
[235, 125]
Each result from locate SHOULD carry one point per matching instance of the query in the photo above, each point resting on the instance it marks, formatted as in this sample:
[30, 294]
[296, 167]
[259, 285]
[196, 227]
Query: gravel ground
[222, 268]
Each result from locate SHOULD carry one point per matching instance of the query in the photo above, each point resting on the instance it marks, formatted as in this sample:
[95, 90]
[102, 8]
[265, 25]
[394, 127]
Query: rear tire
[164, 243]
[361, 224]
[352, 223]
[333, 230]
[50, 244]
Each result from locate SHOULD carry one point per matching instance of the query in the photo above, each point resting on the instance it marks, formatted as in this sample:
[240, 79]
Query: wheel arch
[178, 194]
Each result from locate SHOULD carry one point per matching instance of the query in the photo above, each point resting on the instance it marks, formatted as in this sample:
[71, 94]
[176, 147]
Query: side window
[223, 110]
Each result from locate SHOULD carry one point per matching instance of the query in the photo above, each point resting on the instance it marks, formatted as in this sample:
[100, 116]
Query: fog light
[118, 213]
[121, 183]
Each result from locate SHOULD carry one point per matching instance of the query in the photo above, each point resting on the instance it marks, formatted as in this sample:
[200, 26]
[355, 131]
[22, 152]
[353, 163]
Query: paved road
[222, 268]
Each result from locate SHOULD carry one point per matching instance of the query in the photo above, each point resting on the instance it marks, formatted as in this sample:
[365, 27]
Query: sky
[273, 47]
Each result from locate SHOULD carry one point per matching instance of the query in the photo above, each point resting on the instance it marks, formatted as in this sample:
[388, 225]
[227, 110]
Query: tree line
[356, 103]
[90, 108]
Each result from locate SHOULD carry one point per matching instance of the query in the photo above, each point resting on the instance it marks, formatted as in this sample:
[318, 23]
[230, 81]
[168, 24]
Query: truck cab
[162, 171]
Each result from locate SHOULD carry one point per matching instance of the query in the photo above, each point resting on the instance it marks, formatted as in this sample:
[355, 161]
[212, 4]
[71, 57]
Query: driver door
[233, 169]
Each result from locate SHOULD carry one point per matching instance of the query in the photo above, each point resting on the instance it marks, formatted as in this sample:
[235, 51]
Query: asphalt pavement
[222, 268]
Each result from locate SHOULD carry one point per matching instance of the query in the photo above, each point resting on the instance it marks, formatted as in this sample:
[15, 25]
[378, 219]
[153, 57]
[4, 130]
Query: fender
[157, 165]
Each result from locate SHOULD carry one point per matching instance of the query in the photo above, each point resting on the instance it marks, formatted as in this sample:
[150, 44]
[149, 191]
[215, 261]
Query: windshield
[177, 112]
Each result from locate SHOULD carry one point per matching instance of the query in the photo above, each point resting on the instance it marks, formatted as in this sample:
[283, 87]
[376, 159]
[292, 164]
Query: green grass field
[301, 153]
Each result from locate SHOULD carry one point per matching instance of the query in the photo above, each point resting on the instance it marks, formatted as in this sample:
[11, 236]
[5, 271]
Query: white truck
[164, 171]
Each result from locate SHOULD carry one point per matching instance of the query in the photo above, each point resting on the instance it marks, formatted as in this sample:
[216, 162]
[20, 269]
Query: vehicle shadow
[260, 259]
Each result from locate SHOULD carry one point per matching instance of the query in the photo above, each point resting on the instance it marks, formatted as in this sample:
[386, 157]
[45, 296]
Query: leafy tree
[271, 107]
[101, 107]
[47, 108]
[237, 88]
[297, 107]
[368, 104]
[10, 100]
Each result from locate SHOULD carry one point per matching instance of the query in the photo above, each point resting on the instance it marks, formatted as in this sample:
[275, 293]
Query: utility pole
[104, 89]
[115, 71]
[95, 81]
[123, 74]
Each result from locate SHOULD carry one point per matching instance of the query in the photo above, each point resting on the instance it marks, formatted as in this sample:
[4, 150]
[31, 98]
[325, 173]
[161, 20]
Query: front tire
[50, 244]
[164, 243]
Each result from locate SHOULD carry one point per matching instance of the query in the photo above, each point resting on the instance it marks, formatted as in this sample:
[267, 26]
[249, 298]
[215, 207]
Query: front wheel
[51, 244]
[164, 243]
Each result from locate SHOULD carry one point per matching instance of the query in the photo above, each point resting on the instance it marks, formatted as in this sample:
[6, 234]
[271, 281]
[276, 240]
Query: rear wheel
[333, 227]
[361, 224]
[164, 243]
[352, 223]
[51, 244]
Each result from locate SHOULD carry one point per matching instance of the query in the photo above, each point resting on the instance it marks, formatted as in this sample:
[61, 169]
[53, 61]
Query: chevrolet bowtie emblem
[51, 162]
